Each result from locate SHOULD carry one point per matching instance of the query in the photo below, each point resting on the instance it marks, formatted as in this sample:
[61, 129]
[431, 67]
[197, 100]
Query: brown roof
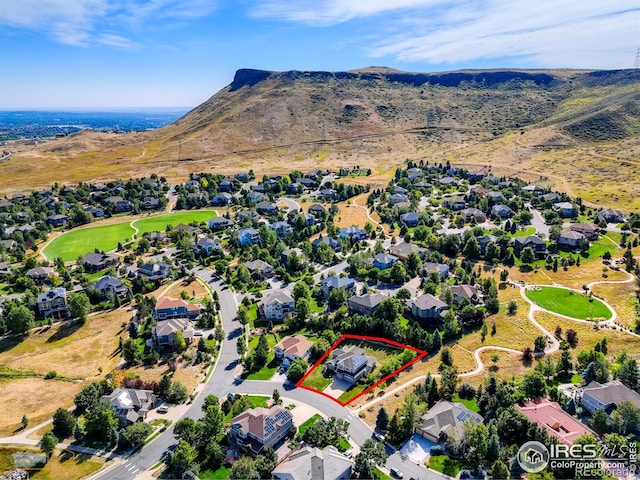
[170, 302]
[297, 345]
[259, 421]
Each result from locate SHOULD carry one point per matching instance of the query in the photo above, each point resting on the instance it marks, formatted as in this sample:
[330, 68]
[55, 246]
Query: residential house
[440, 268]
[332, 242]
[219, 223]
[328, 194]
[502, 211]
[445, 419]
[170, 307]
[606, 396]
[311, 463]
[225, 186]
[309, 183]
[410, 219]
[402, 250]
[8, 244]
[267, 208]
[97, 212]
[473, 213]
[155, 271]
[383, 261]
[119, 204]
[248, 236]
[345, 283]
[132, 405]
[277, 306]
[191, 230]
[151, 203]
[589, 230]
[258, 428]
[354, 233]
[287, 254]
[164, 333]
[398, 198]
[428, 307]
[350, 363]
[564, 209]
[222, 199]
[294, 188]
[292, 348]
[281, 228]
[255, 196]
[5, 269]
[538, 245]
[484, 241]
[455, 203]
[466, 292]
[206, 246]
[317, 210]
[110, 286]
[40, 274]
[447, 181]
[94, 262]
[552, 418]
[57, 220]
[53, 303]
[399, 189]
[157, 238]
[259, 269]
[494, 197]
[532, 189]
[611, 216]
[551, 197]
[366, 304]
[572, 240]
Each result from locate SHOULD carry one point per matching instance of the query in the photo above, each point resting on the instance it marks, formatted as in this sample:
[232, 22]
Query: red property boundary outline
[420, 356]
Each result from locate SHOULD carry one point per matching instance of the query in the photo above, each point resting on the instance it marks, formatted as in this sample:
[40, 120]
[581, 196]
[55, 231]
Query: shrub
[50, 375]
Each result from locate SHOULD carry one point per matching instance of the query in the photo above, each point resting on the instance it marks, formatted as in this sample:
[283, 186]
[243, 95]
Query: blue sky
[136, 53]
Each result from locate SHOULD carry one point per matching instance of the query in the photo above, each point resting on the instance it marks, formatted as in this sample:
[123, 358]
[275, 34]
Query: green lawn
[316, 380]
[302, 428]
[567, 302]
[159, 223]
[259, 400]
[380, 475]
[602, 245]
[446, 465]
[470, 404]
[523, 233]
[221, 473]
[352, 392]
[79, 242]
[270, 368]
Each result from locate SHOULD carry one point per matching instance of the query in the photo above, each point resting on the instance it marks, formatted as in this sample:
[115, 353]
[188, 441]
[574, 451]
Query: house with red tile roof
[558, 423]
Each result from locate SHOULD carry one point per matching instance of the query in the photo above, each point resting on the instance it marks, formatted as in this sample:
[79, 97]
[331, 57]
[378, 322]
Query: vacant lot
[569, 303]
[70, 245]
[73, 351]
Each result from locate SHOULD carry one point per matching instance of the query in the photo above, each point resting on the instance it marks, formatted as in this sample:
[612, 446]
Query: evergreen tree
[382, 420]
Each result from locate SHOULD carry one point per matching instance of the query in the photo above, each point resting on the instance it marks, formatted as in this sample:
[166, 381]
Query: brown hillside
[579, 128]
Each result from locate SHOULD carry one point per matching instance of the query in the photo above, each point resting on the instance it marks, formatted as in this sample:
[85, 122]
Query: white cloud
[589, 33]
[89, 22]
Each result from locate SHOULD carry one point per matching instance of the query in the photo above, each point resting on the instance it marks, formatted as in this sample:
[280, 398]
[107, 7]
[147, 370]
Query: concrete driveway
[337, 388]
[417, 449]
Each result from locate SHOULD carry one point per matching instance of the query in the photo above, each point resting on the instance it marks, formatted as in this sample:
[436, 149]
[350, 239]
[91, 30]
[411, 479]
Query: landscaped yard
[270, 368]
[84, 240]
[446, 465]
[317, 380]
[302, 428]
[471, 404]
[569, 303]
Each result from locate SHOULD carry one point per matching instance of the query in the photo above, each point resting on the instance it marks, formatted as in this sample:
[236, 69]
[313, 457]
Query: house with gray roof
[259, 269]
[53, 303]
[164, 333]
[345, 283]
[384, 260]
[606, 396]
[572, 240]
[366, 304]
[311, 463]
[109, 285]
[277, 305]
[94, 262]
[402, 250]
[444, 419]
[350, 363]
[428, 307]
[132, 405]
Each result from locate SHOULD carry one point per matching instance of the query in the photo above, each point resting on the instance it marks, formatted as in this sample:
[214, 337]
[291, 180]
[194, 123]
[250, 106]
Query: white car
[162, 408]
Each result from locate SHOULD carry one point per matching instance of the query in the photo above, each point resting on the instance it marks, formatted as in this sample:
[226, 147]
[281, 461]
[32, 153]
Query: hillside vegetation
[580, 129]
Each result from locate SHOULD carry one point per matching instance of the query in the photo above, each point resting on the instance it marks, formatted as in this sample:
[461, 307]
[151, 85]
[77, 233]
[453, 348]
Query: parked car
[437, 450]
[162, 408]
[395, 472]
[378, 436]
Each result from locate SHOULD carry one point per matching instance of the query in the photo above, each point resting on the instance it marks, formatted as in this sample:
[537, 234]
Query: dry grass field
[195, 289]
[622, 298]
[74, 353]
[61, 465]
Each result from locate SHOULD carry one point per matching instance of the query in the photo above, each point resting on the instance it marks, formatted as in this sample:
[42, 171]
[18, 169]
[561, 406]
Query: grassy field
[317, 380]
[566, 302]
[73, 351]
[160, 222]
[61, 464]
[84, 240]
[446, 465]
[106, 237]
